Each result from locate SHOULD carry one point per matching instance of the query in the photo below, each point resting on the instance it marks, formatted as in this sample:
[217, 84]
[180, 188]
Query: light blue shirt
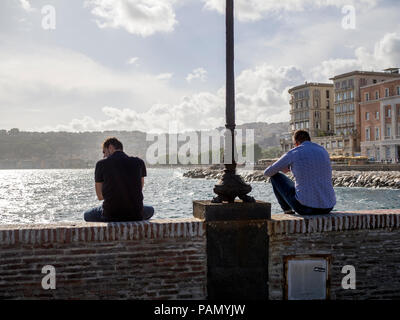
[311, 168]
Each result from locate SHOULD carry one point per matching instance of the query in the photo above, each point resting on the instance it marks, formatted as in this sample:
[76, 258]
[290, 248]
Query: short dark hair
[301, 135]
[113, 142]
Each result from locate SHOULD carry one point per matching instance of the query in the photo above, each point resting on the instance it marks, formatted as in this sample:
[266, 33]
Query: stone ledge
[336, 221]
[101, 232]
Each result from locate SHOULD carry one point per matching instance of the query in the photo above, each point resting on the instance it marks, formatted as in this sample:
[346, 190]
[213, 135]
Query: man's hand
[286, 170]
[99, 193]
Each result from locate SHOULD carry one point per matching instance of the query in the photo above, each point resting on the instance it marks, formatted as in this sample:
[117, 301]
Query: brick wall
[167, 259]
[368, 240]
[161, 259]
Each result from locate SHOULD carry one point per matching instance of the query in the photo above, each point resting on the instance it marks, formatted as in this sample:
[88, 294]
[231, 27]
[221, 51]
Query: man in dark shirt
[119, 182]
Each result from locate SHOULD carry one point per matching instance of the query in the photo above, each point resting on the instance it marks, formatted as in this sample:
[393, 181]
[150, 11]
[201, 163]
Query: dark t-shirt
[121, 176]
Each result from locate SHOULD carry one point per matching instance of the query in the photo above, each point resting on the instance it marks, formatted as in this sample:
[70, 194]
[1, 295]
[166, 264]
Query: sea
[62, 195]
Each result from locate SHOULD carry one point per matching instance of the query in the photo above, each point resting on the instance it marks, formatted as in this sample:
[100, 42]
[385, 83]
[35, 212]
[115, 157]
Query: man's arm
[99, 193]
[283, 164]
[142, 182]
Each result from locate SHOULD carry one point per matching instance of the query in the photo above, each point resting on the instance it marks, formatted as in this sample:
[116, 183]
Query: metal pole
[230, 185]
[230, 84]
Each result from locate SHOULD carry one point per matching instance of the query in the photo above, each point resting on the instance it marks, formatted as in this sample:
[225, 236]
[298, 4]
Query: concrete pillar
[383, 152]
[394, 120]
[383, 125]
[237, 248]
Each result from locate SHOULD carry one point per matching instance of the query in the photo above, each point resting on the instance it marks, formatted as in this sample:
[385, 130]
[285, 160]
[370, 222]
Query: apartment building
[347, 96]
[379, 120]
[310, 109]
[335, 120]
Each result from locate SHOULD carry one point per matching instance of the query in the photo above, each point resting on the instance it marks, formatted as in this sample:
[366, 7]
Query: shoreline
[361, 179]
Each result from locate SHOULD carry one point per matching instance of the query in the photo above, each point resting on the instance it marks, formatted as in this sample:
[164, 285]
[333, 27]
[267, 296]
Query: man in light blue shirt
[312, 193]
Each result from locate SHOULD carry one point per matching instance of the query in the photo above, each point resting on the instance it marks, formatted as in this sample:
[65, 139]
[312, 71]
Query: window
[351, 82]
[374, 81]
[398, 91]
[329, 126]
[367, 96]
[340, 144]
[344, 84]
[327, 104]
[389, 113]
[337, 97]
[376, 133]
[337, 85]
[377, 115]
[333, 144]
[328, 115]
[328, 145]
[344, 95]
[367, 134]
[388, 132]
[367, 116]
[376, 95]
[386, 92]
[351, 94]
[327, 94]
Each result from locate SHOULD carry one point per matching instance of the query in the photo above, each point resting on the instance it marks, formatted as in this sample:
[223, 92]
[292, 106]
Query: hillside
[82, 149]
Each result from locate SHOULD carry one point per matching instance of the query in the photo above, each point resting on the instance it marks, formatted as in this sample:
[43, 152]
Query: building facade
[379, 119]
[347, 96]
[311, 110]
[335, 120]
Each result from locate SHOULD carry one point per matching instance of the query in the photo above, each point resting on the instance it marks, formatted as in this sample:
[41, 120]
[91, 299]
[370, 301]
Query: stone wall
[368, 240]
[167, 259]
[161, 259]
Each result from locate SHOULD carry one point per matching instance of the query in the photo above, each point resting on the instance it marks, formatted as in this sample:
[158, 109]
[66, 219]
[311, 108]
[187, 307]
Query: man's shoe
[289, 212]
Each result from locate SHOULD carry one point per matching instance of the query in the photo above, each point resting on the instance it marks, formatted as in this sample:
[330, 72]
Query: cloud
[139, 17]
[261, 95]
[199, 73]
[25, 4]
[66, 84]
[165, 76]
[254, 10]
[133, 60]
[385, 54]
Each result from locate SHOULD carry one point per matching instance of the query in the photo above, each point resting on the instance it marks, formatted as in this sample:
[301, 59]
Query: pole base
[231, 186]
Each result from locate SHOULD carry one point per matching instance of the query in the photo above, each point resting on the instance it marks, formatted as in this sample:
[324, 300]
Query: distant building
[310, 109]
[347, 113]
[334, 123]
[380, 114]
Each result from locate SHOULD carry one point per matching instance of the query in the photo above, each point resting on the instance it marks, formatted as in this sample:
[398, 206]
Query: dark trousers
[285, 193]
[96, 214]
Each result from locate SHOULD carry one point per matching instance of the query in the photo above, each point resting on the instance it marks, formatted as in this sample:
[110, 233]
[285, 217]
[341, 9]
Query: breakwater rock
[367, 179]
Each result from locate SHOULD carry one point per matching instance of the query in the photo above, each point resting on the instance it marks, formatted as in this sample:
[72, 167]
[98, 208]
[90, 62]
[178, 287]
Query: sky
[150, 65]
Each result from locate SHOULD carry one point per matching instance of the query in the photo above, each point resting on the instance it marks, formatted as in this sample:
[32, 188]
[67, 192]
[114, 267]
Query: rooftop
[388, 72]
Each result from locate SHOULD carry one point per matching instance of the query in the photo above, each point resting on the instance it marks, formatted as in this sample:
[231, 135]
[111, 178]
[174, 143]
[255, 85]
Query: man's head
[300, 136]
[110, 146]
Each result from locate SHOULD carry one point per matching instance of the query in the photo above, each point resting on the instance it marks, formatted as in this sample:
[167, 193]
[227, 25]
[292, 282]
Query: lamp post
[231, 185]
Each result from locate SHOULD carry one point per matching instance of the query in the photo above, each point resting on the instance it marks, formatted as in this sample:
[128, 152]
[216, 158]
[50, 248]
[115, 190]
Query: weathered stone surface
[368, 179]
[239, 210]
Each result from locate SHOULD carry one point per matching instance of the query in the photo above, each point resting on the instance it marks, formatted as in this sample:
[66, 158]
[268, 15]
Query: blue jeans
[96, 214]
[285, 193]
